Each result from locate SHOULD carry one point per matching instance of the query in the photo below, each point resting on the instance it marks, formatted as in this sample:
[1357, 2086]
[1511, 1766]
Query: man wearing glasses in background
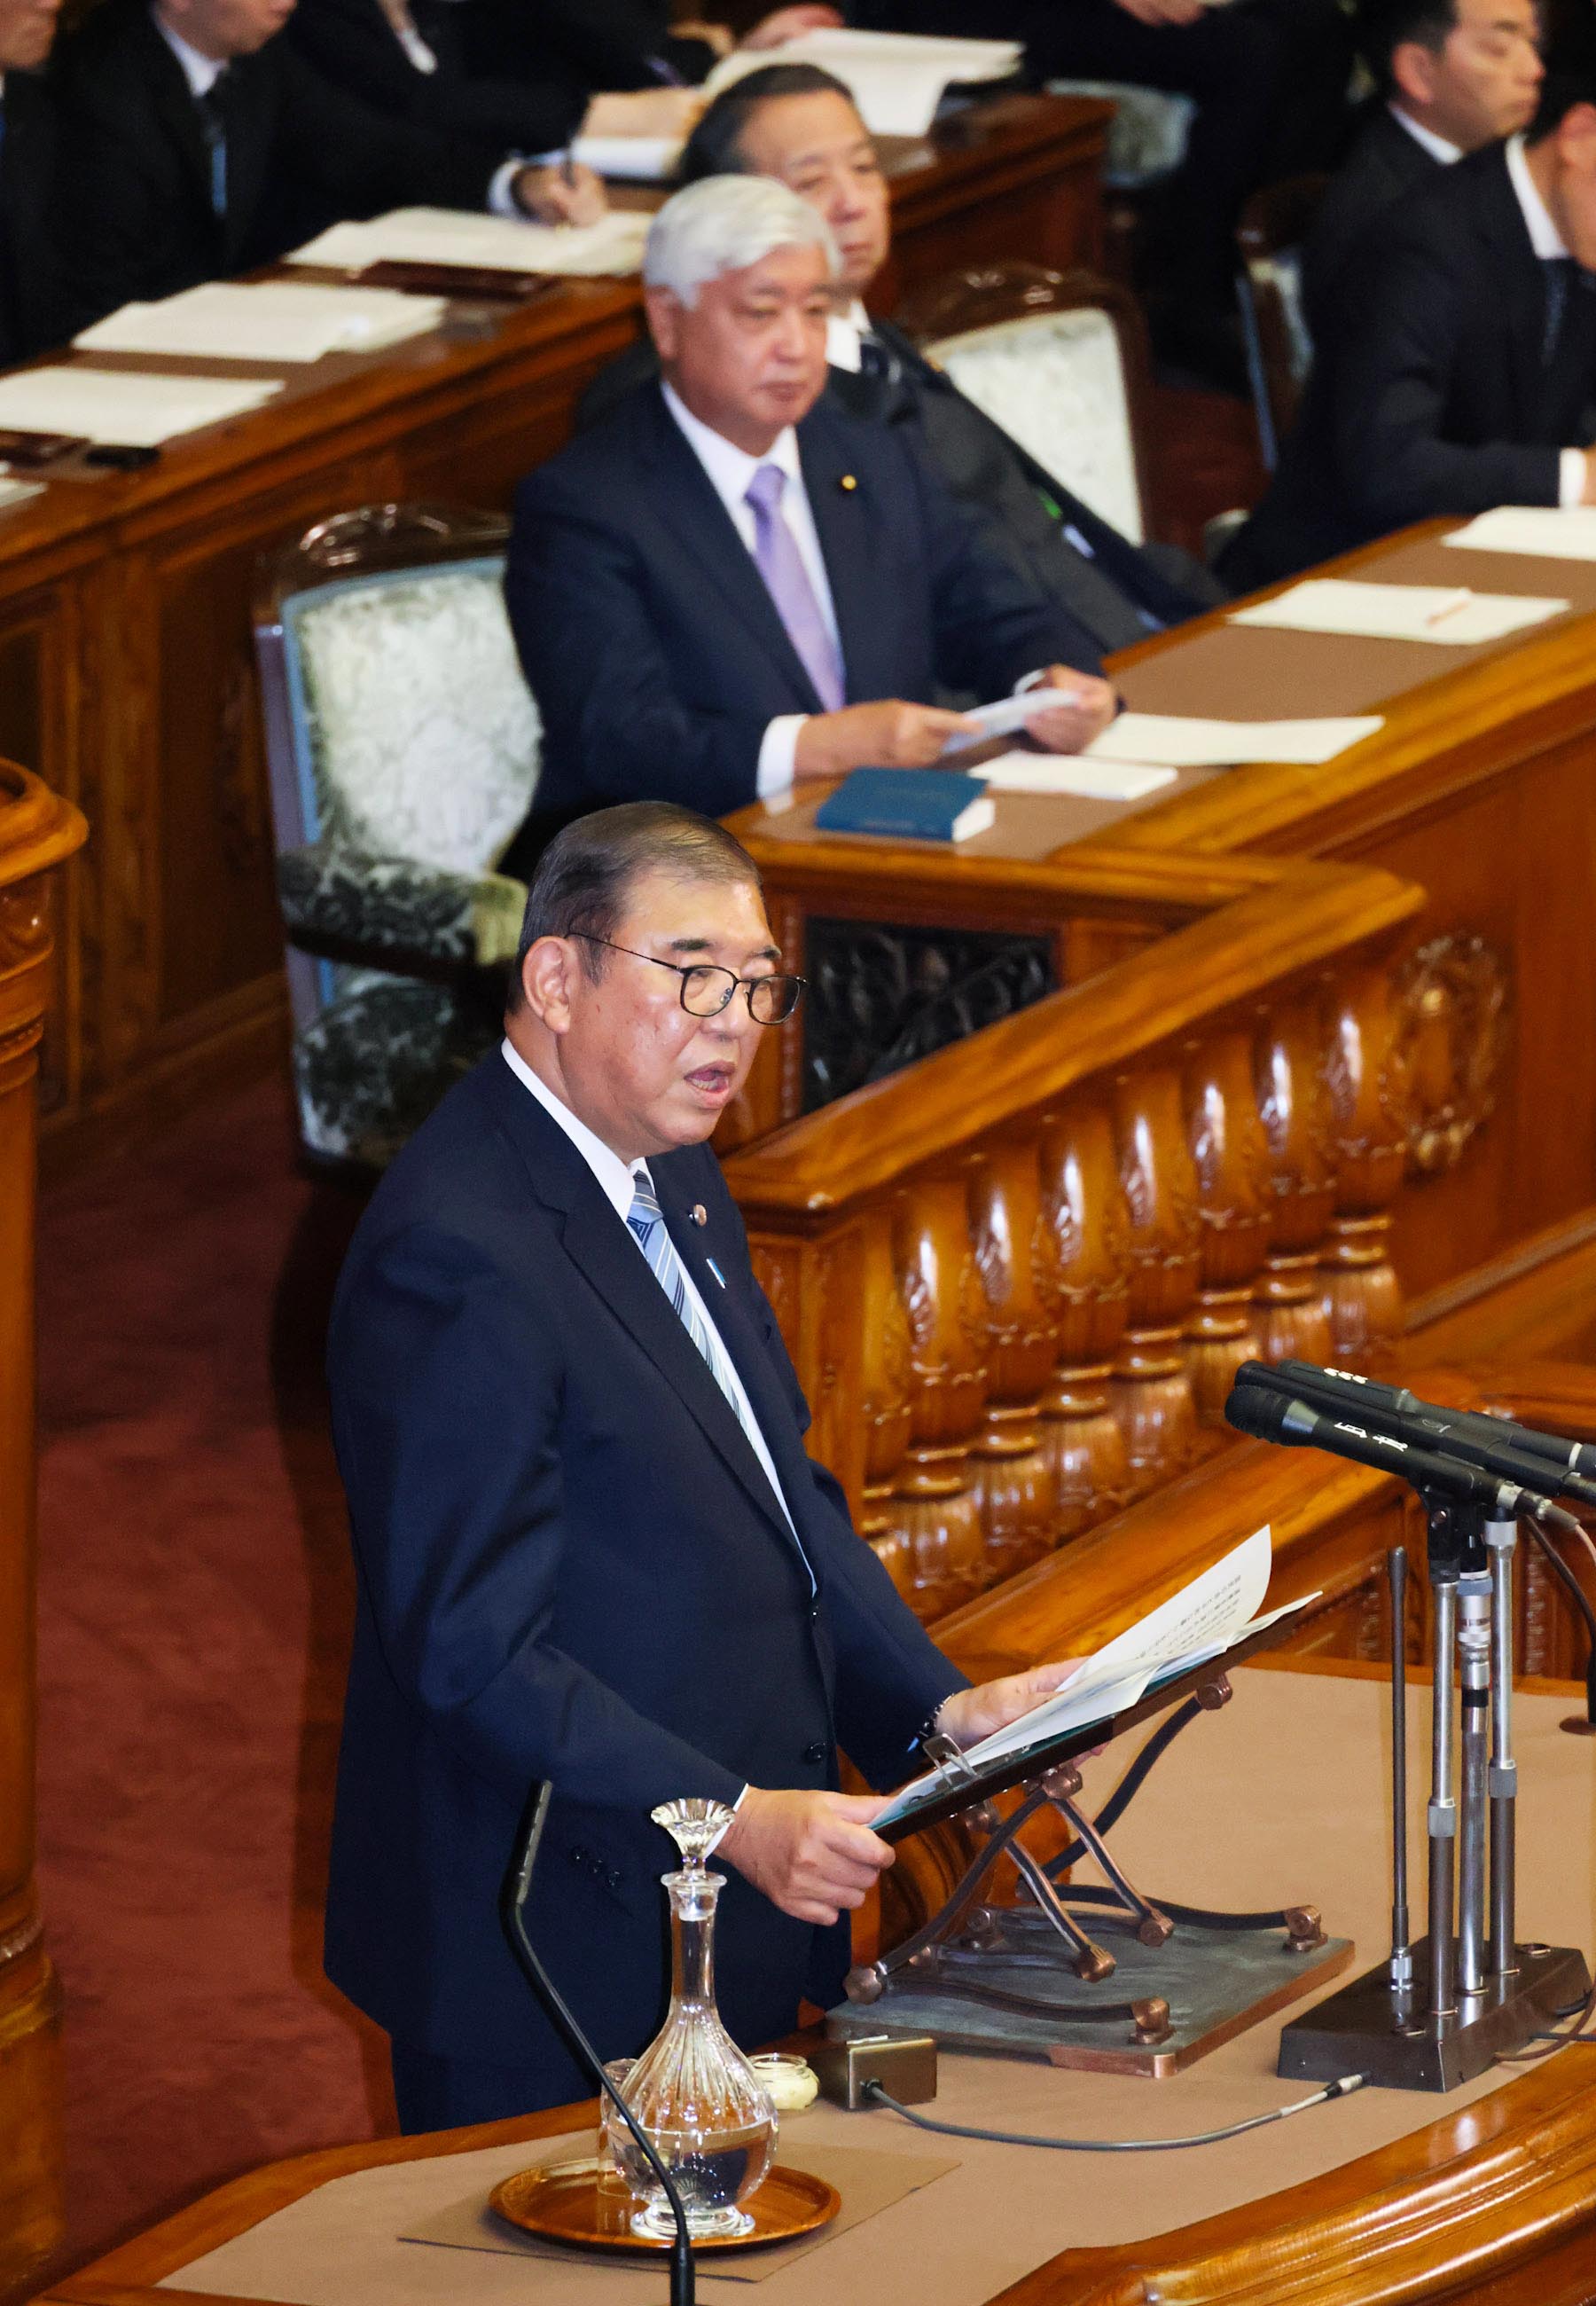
[592, 1548]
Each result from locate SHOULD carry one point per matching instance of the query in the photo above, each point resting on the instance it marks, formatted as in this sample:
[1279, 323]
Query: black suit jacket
[1384, 166]
[572, 1569]
[352, 43]
[1431, 397]
[35, 309]
[1116, 591]
[135, 169]
[608, 44]
[656, 655]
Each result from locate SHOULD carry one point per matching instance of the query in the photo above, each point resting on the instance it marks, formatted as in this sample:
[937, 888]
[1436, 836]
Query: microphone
[1574, 1462]
[1274, 1416]
[517, 1889]
[1489, 1442]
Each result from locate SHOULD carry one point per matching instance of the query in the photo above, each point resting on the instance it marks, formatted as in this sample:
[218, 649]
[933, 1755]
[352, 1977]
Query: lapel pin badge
[848, 484]
[700, 1214]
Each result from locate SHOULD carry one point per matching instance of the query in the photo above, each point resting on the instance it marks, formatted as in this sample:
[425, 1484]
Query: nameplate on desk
[908, 805]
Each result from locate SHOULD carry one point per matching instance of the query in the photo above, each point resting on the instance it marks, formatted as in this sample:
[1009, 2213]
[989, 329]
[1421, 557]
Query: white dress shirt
[1439, 148]
[1548, 244]
[201, 72]
[730, 471]
[615, 1178]
[845, 333]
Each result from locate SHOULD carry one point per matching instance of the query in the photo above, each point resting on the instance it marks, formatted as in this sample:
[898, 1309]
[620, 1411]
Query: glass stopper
[695, 1826]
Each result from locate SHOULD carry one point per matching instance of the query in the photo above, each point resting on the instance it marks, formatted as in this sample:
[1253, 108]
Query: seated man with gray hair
[730, 584]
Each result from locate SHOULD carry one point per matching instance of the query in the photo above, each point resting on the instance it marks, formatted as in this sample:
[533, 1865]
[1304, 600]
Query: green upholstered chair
[402, 746]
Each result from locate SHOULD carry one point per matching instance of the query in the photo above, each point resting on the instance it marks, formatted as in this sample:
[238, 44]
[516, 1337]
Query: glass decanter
[692, 2090]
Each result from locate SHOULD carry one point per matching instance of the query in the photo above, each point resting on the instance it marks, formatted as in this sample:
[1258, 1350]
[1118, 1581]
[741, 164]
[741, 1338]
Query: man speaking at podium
[591, 1549]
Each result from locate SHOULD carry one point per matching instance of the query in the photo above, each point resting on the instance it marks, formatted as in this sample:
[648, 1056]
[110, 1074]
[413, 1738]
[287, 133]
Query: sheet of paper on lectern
[1450, 615]
[896, 79]
[1004, 715]
[478, 243]
[1070, 774]
[279, 321]
[1171, 741]
[129, 408]
[1544, 532]
[1206, 1618]
[16, 493]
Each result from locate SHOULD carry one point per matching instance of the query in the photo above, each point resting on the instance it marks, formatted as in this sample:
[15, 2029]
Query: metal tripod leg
[1443, 1809]
[1500, 1538]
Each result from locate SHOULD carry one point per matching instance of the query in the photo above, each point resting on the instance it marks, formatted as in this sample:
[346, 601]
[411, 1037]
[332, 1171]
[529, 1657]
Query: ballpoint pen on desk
[1450, 608]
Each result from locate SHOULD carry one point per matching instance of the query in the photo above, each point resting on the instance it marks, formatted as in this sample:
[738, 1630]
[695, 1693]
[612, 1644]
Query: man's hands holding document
[895, 734]
[813, 1854]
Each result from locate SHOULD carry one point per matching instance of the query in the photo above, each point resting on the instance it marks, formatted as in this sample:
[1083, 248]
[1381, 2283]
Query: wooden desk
[38, 833]
[126, 671]
[1477, 789]
[1489, 2195]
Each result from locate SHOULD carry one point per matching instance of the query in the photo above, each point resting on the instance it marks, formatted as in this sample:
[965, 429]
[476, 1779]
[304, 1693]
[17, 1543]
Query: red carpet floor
[193, 1601]
[194, 1593]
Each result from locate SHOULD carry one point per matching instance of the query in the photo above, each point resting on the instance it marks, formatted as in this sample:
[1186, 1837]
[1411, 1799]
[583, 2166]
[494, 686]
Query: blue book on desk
[908, 805]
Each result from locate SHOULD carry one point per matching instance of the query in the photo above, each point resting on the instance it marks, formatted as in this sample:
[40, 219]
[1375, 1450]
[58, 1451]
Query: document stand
[1107, 1979]
[1438, 2014]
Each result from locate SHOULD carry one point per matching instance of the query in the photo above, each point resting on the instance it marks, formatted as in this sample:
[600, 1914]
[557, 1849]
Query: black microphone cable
[1342, 2088]
[517, 1888]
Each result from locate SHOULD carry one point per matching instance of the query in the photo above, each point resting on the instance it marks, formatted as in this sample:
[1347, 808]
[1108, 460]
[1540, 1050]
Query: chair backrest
[1060, 361]
[1148, 135]
[398, 719]
[1274, 225]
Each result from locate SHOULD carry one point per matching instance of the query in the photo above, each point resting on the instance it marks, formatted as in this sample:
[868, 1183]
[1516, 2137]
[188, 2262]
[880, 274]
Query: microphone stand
[517, 1889]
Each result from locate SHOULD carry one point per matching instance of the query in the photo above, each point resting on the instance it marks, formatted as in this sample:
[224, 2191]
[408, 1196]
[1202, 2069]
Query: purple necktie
[779, 563]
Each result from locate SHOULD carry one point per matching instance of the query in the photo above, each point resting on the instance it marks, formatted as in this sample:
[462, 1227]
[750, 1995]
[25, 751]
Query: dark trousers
[434, 2093]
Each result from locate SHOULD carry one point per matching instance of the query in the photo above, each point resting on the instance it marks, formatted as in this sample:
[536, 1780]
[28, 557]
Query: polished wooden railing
[1016, 1279]
[36, 834]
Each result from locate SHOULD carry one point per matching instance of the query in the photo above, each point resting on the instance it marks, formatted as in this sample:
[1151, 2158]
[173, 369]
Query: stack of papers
[897, 79]
[1451, 615]
[1206, 1618]
[276, 321]
[1541, 530]
[1069, 774]
[1170, 741]
[132, 410]
[614, 245]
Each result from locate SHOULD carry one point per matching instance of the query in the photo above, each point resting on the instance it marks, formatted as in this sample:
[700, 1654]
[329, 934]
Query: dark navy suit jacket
[572, 1569]
[656, 655]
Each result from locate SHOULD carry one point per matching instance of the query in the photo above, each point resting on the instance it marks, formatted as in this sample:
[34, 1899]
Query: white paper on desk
[1543, 531]
[1072, 775]
[614, 245]
[129, 408]
[16, 493]
[1173, 741]
[1450, 615]
[631, 160]
[1004, 715]
[1217, 1610]
[280, 321]
[896, 79]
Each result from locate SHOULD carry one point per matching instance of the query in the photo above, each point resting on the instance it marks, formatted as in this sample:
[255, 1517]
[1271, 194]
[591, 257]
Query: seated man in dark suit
[34, 310]
[1450, 76]
[724, 587]
[195, 143]
[1464, 373]
[592, 1551]
[799, 124]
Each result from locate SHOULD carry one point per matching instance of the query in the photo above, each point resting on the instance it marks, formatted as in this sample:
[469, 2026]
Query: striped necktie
[646, 1224]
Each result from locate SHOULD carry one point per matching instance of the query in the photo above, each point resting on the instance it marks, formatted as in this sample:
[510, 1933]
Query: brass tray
[564, 2202]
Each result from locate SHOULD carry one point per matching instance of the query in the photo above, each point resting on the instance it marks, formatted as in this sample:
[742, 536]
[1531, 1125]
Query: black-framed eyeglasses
[706, 988]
